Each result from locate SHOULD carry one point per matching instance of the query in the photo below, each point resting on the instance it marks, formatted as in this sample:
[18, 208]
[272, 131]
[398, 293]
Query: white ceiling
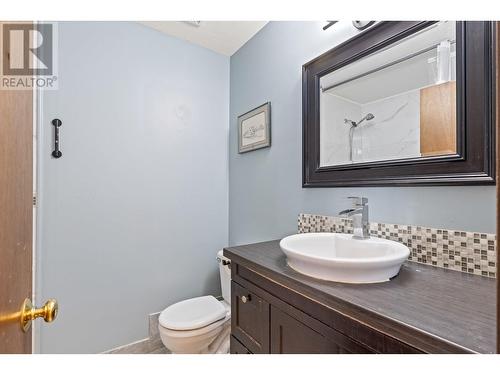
[224, 37]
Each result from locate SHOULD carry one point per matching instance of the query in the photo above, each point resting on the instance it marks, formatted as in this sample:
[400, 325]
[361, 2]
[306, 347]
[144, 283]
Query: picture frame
[254, 129]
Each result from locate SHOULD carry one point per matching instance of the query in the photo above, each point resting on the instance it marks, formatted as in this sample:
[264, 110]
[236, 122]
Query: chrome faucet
[359, 214]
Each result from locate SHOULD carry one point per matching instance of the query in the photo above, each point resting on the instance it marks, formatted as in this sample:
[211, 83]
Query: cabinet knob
[245, 299]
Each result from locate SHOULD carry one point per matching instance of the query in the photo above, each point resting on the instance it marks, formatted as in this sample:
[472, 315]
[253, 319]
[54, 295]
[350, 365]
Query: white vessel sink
[339, 257]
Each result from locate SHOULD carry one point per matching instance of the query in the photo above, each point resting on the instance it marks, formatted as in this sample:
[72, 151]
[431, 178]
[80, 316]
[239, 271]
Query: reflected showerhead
[368, 117]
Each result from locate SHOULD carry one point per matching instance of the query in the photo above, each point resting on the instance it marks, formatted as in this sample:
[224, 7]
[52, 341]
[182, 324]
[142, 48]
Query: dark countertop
[454, 307]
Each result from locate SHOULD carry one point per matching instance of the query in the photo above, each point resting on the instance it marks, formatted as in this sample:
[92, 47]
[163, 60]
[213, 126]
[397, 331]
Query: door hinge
[34, 199]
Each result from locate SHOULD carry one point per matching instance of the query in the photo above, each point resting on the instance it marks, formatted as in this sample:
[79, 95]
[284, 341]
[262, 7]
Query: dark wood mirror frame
[498, 171]
[474, 162]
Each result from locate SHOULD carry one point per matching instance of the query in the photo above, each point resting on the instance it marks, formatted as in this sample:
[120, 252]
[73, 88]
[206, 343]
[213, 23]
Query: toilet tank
[225, 276]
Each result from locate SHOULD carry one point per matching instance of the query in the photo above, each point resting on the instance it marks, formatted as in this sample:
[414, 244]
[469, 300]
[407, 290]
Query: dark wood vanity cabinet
[278, 310]
[259, 327]
[264, 323]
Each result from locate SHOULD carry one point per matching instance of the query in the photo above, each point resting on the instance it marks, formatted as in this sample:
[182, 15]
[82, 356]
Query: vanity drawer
[249, 319]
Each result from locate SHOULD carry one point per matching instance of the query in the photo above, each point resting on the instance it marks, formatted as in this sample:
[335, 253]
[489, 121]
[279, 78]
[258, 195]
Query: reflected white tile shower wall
[394, 133]
[334, 133]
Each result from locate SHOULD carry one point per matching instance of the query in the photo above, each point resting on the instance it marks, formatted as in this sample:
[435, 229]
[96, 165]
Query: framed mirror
[403, 103]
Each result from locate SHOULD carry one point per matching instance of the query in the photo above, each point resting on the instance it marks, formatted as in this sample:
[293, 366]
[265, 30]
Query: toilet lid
[192, 313]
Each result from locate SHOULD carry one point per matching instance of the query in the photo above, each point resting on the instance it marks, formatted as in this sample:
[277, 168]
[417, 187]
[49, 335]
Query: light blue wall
[265, 193]
[133, 214]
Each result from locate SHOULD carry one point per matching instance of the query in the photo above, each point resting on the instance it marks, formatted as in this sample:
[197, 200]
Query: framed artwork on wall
[254, 129]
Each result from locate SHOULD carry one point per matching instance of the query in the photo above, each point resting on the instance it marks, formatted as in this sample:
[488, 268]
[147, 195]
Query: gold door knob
[28, 312]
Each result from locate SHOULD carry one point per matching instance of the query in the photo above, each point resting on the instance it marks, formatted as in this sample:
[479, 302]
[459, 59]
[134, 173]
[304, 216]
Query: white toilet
[201, 324]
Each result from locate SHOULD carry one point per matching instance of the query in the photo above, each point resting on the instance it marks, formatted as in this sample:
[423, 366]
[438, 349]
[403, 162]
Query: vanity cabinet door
[237, 347]
[289, 336]
[249, 319]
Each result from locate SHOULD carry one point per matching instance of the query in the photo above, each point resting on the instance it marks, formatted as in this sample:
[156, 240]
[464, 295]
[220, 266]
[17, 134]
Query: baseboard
[149, 345]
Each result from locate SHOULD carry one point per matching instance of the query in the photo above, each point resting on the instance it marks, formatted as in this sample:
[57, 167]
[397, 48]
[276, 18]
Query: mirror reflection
[397, 103]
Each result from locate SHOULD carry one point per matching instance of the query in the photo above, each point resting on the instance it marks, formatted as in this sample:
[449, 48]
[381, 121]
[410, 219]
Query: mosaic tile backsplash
[460, 251]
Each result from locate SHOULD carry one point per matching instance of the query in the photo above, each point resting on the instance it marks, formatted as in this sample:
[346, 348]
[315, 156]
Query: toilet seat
[195, 314]
[210, 338]
[194, 332]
